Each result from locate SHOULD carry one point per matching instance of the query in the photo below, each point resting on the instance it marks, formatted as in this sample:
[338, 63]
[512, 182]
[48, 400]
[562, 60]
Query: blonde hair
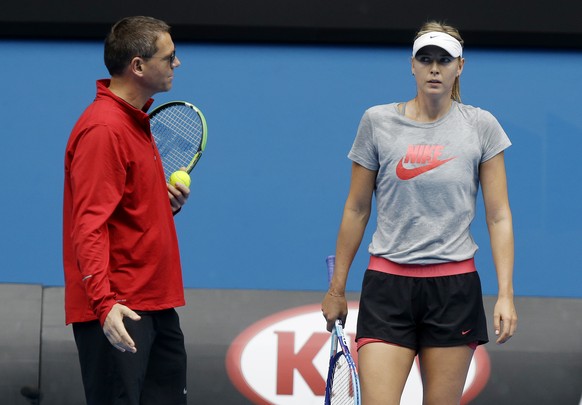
[452, 31]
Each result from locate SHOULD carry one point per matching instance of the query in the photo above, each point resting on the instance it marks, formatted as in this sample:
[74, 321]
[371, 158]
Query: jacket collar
[140, 115]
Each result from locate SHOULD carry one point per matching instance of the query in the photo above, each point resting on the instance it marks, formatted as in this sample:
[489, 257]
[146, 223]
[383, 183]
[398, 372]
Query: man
[122, 268]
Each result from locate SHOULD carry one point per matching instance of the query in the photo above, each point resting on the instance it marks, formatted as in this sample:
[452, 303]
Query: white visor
[440, 39]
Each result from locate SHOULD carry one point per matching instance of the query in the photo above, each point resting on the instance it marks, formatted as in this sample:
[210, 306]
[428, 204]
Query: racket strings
[178, 134]
[342, 389]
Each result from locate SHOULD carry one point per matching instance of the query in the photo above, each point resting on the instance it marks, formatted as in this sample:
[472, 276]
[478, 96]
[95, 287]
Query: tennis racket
[180, 132]
[343, 385]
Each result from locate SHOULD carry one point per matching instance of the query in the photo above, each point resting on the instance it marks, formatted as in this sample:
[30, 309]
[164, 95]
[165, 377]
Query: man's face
[158, 71]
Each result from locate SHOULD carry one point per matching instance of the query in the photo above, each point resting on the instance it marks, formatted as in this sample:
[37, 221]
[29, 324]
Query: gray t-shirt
[428, 178]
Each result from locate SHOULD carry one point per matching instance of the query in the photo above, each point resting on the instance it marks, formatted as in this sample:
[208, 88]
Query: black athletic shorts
[155, 375]
[419, 312]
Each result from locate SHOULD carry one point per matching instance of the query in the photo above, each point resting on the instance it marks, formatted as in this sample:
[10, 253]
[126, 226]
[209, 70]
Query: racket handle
[330, 261]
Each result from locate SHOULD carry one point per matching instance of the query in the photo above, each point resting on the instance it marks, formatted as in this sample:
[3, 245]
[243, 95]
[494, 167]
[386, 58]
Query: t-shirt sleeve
[493, 138]
[364, 150]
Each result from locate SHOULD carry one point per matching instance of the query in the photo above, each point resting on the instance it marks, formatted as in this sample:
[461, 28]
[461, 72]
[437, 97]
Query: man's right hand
[114, 328]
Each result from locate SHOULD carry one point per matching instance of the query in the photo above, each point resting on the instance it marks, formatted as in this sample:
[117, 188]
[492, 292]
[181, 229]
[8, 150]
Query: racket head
[343, 385]
[180, 131]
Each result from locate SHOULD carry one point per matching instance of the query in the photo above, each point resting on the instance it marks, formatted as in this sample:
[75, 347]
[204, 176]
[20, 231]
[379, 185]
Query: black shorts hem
[407, 345]
[454, 343]
[417, 347]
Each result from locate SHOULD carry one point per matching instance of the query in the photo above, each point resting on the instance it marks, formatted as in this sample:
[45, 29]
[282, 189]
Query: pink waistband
[421, 270]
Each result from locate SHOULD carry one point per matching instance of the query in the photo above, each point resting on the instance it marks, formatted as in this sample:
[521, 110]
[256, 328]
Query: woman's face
[435, 71]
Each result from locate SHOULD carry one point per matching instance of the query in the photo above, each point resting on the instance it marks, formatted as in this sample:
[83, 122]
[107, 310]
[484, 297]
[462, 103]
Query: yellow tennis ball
[180, 177]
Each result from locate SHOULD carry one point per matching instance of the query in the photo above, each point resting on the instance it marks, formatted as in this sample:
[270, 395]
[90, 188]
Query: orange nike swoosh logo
[406, 174]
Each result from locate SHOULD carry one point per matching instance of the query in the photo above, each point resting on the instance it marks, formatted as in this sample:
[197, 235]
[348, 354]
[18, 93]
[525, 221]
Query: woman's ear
[461, 66]
[412, 65]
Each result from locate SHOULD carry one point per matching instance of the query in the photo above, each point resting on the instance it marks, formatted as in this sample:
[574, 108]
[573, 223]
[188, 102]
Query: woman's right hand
[334, 307]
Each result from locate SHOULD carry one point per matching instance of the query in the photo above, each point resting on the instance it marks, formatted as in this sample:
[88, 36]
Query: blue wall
[269, 192]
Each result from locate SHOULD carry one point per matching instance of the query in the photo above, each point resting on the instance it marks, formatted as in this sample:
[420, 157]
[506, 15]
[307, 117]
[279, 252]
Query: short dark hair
[131, 37]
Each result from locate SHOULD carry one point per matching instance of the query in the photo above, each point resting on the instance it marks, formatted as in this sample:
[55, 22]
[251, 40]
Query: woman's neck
[427, 110]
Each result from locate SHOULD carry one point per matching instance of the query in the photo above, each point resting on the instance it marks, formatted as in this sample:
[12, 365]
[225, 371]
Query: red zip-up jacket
[119, 238]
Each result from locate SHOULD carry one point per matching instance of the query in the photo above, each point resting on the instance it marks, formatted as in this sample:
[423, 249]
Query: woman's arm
[355, 218]
[499, 222]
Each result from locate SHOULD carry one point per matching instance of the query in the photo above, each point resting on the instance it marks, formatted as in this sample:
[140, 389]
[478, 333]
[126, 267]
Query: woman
[424, 159]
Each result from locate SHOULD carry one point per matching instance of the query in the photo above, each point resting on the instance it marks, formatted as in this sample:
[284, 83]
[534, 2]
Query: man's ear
[136, 66]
